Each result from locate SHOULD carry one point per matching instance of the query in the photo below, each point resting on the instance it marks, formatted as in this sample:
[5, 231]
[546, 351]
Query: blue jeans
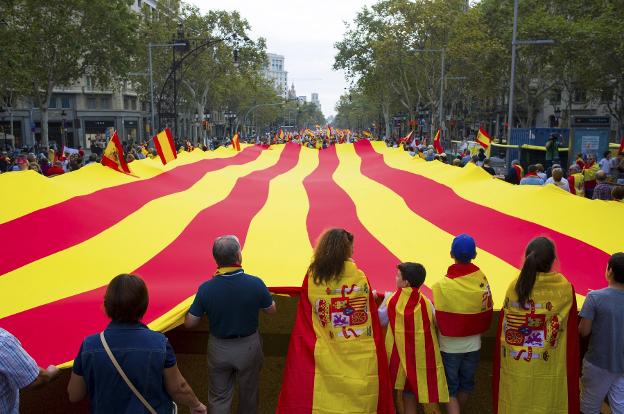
[460, 371]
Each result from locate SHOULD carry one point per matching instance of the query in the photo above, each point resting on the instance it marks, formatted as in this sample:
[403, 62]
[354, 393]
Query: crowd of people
[129, 368]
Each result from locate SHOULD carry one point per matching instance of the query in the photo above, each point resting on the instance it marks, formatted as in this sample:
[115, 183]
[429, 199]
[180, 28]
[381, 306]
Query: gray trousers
[229, 360]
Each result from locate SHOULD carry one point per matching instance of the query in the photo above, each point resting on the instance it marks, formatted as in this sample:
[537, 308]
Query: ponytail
[539, 257]
[526, 281]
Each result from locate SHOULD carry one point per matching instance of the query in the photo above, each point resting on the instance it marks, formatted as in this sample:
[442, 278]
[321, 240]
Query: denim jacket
[143, 355]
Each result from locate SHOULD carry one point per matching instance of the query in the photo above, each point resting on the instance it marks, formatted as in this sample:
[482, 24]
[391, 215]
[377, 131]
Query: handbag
[127, 380]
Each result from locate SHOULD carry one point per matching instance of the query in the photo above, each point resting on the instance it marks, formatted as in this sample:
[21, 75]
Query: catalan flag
[412, 346]
[289, 190]
[165, 147]
[483, 138]
[336, 329]
[281, 133]
[113, 156]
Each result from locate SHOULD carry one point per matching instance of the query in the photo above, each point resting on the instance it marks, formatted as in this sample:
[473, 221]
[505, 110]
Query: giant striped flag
[165, 147]
[286, 195]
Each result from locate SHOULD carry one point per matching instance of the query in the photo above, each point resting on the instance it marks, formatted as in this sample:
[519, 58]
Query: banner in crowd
[67, 237]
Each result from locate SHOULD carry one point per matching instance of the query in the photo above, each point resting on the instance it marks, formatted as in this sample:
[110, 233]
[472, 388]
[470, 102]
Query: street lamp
[514, 43]
[151, 76]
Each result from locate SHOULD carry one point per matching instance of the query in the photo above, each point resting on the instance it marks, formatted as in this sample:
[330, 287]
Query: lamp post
[514, 43]
[151, 76]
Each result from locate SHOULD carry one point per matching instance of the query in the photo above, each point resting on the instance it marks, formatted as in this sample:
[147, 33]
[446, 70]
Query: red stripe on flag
[172, 276]
[410, 343]
[300, 366]
[430, 351]
[385, 399]
[159, 149]
[395, 361]
[90, 214]
[331, 206]
[463, 324]
[171, 143]
[502, 235]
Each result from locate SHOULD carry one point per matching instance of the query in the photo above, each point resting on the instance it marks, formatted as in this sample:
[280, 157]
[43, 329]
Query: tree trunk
[385, 107]
[44, 127]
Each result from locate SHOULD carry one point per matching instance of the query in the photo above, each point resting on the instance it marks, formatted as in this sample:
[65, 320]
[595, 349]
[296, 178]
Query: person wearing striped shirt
[18, 371]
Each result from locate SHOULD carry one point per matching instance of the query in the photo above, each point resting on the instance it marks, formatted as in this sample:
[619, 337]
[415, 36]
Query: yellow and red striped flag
[463, 301]
[412, 346]
[165, 147]
[236, 142]
[113, 156]
[483, 138]
[281, 133]
[302, 186]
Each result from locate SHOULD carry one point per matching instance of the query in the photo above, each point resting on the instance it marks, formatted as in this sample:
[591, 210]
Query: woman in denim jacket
[145, 356]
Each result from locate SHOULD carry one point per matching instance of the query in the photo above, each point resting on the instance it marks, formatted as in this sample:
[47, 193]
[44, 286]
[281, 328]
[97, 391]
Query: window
[105, 102]
[555, 97]
[91, 102]
[65, 101]
[579, 95]
[52, 104]
[89, 83]
[606, 95]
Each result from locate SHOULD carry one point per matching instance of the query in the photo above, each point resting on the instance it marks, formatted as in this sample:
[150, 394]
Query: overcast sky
[304, 31]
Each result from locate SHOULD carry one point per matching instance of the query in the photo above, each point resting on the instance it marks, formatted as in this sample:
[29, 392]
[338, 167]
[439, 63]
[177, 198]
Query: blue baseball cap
[464, 248]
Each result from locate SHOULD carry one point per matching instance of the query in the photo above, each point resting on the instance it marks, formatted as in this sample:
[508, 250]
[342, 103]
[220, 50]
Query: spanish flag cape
[336, 359]
[576, 182]
[536, 360]
[413, 350]
[463, 301]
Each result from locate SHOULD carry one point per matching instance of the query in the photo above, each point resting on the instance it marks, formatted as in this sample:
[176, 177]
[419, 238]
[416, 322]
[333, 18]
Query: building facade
[315, 100]
[81, 113]
[274, 71]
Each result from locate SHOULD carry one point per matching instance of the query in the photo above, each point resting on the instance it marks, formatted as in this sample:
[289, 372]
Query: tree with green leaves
[62, 41]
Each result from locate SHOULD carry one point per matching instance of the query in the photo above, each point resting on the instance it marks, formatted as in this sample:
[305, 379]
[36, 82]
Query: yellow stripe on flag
[144, 233]
[283, 214]
[44, 192]
[400, 229]
[474, 184]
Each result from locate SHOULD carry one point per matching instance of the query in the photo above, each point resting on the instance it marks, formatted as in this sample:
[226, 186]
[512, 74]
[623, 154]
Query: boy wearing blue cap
[464, 309]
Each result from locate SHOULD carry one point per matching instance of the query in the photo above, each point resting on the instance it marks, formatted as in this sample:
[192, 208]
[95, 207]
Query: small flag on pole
[165, 146]
[436, 142]
[483, 138]
[236, 142]
[113, 156]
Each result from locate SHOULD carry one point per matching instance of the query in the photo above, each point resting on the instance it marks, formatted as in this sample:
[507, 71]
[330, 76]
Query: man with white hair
[231, 300]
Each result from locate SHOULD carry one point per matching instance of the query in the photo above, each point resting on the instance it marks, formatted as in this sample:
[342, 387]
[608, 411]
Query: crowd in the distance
[432, 347]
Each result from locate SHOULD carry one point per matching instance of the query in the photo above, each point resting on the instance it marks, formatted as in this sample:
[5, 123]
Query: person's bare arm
[77, 388]
[180, 391]
[191, 321]
[271, 309]
[45, 376]
[585, 327]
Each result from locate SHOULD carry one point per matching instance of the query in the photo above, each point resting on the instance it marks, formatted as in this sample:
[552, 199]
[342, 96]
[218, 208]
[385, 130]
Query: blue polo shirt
[143, 355]
[232, 301]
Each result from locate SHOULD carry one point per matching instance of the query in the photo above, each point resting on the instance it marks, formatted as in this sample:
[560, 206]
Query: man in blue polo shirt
[231, 300]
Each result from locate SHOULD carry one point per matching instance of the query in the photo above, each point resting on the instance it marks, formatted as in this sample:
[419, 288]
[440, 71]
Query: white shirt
[605, 165]
[460, 344]
[563, 184]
